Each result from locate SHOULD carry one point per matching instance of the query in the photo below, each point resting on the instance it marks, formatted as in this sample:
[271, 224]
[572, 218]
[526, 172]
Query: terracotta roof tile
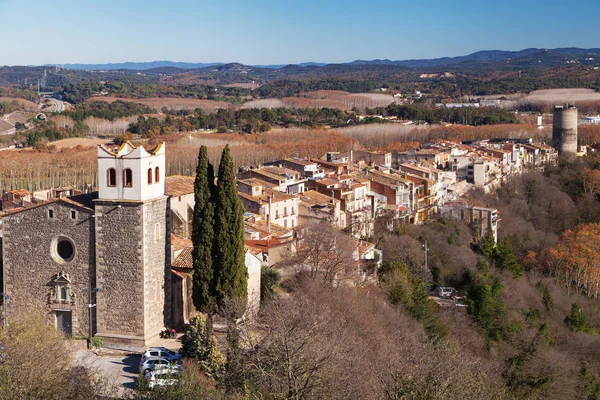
[184, 259]
[179, 185]
[179, 243]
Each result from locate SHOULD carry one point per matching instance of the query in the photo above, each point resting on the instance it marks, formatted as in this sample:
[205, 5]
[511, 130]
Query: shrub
[268, 279]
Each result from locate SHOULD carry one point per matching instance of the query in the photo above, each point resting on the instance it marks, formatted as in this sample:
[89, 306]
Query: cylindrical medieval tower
[564, 130]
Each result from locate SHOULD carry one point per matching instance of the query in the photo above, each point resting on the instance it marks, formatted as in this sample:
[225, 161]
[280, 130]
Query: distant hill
[140, 66]
[484, 56]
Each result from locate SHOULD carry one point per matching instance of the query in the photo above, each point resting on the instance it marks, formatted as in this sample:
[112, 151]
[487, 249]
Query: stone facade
[119, 269]
[37, 277]
[156, 266]
[132, 260]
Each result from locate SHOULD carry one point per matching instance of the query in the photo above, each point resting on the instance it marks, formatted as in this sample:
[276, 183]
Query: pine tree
[203, 293]
[229, 262]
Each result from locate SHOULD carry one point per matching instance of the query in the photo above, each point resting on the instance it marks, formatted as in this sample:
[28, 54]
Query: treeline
[251, 120]
[109, 111]
[45, 131]
[19, 93]
[78, 93]
[435, 115]
[292, 87]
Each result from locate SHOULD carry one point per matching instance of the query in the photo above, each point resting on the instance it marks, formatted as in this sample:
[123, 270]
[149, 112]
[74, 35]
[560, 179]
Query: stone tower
[132, 247]
[564, 130]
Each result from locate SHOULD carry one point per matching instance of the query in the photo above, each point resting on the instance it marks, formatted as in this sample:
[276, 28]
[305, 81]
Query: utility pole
[426, 249]
[90, 306]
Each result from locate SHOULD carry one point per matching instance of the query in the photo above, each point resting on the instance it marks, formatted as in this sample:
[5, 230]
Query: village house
[315, 206]
[269, 242]
[307, 169]
[280, 178]
[272, 205]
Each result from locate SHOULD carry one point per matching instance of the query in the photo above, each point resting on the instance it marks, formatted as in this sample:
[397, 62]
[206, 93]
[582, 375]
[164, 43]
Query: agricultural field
[587, 100]
[327, 99]
[83, 142]
[400, 137]
[558, 96]
[247, 85]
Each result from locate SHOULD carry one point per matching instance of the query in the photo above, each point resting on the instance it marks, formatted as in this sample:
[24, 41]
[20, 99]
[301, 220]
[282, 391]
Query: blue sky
[284, 31]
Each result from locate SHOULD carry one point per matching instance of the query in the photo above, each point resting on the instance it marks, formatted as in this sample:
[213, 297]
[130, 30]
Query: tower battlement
[131, 173]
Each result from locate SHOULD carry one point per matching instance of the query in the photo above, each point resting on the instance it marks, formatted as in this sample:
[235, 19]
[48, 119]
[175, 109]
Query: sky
[256, 32]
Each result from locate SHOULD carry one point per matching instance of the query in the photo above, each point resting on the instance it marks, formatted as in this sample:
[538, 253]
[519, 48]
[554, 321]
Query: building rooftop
[267, 193]
[315, 198]
[184, 260]
[179, 185]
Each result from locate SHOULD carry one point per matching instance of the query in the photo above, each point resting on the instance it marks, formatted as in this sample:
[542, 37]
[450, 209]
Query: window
[285, 223]
[73, 214]
[65, 250]
[50, 213]
[156, 175]
[111, 177]
[61, 291]
[149, 176]
[127, 178]
[157, 233]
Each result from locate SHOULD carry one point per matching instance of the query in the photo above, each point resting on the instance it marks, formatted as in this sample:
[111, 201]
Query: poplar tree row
[220, 273]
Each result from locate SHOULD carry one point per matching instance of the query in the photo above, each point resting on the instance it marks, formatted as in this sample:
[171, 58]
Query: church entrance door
[64, 322]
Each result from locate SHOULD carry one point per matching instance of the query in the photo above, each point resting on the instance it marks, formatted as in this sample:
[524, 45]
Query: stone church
[110, 249]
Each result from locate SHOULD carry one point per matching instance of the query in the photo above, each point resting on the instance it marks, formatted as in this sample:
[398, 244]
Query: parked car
[158, 363]
[161, 352]
[161, 378]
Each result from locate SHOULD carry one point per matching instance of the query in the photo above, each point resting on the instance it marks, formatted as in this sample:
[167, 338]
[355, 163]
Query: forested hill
[483, 56]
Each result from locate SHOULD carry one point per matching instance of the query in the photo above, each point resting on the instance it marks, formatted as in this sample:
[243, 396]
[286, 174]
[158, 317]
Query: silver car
[158, 363]
[161, 377]
[161, 352]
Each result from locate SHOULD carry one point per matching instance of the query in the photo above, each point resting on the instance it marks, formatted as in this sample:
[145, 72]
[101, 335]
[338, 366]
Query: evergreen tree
[203, 293]
[231, 278]
[505, 258]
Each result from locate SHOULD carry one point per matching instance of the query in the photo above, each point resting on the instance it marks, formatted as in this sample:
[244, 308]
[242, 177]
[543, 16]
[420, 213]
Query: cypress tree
[203, 293]
[229, 262]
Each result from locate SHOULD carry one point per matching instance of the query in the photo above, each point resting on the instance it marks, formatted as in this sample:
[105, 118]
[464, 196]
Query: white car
[160, 352]
[161, 378]
[158, 363]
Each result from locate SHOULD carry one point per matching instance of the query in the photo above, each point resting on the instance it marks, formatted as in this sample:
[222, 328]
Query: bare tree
[325, 253]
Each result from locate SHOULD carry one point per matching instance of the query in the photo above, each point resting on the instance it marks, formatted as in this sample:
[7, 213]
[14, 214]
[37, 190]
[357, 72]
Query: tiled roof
[178, 243]
[263, 198]
[62, 200]
[184, 259]
[21, 192]
[179, 185]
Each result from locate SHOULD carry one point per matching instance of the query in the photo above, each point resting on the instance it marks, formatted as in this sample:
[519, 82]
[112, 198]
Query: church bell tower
[132, 245]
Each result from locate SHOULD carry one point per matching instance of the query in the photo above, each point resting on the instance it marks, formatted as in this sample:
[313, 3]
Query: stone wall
[31, 261]
[119, 260]
[157, 271]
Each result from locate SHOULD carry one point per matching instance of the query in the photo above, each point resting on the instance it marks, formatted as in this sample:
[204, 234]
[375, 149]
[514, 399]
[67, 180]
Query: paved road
[59, 106]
